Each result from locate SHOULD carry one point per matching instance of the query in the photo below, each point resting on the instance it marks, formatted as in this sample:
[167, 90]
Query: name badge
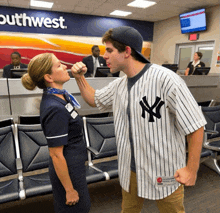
[69, 107]
[166, 181]
[74, 114]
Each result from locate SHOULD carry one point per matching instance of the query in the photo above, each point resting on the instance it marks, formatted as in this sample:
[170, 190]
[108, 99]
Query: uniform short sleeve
[55, 123]
[105, 96]
[188, 114]
[189, 65]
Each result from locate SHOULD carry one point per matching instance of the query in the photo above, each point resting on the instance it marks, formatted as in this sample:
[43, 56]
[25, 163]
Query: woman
[62, 127]
[195, 63]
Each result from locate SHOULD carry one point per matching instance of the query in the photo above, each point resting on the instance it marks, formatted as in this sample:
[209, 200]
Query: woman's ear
[47, 78]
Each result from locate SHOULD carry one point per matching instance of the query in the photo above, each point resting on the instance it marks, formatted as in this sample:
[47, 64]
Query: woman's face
[59, 72]
[196, 57]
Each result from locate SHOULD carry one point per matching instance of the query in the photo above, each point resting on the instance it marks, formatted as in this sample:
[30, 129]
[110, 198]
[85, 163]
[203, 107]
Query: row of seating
[211, 144]
[24, 154]
[24, 158]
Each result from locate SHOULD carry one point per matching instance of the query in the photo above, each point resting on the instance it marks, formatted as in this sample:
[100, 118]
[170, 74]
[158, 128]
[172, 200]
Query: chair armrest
[19, 169]
[211, 132]
[214, 148]
[208, 144]
[22, 193]
[93, 151]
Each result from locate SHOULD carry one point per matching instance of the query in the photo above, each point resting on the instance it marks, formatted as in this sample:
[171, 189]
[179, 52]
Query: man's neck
[134, 68]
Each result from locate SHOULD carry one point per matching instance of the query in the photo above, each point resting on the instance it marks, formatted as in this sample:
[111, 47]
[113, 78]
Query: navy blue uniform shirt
[62, 126]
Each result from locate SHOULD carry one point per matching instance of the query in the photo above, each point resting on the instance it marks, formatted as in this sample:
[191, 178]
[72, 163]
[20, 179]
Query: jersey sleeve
[104, 97]
[187, 112]
[55, 125]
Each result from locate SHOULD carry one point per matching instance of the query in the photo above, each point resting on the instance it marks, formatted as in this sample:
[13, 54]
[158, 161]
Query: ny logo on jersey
[145, 107]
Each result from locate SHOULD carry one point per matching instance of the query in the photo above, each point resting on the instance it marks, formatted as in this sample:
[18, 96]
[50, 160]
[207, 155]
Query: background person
[195, 63]
[153, 112]
[62, 127]
[15, 64]
[93, 61]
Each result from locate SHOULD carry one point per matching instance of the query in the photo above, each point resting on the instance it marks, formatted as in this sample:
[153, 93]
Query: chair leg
[212, 163]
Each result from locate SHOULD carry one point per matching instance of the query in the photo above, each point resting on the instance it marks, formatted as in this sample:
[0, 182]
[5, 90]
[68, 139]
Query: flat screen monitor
[17, 73]
[102, 72]
[172, 67]
[201, 71]
[193, 21]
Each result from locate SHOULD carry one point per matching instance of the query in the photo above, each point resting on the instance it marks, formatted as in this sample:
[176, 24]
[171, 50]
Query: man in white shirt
[153, 112]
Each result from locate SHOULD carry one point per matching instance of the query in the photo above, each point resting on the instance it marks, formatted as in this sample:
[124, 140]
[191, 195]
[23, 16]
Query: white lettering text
[24, 20]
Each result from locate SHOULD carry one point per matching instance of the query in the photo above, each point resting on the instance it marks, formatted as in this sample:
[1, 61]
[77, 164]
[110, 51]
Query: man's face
[15, 59]
[96, 52]
[114, 59]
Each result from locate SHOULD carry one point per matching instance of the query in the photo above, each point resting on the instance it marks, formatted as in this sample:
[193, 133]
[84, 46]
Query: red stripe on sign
[194, 14]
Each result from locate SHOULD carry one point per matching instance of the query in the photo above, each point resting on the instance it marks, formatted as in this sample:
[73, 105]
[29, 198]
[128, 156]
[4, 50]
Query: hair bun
[27, 82]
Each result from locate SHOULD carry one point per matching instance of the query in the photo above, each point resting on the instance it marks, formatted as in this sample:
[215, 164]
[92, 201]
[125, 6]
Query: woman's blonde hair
[39, 66]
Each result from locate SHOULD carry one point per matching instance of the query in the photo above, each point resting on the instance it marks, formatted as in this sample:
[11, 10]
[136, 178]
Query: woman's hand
[78, 69]
[72, 197]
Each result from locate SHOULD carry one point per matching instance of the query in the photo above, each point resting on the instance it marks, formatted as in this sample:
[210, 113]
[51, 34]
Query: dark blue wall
[80, 25]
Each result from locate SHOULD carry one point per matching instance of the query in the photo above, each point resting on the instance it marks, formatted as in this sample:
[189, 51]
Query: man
[93, 61]
[153, 112]
[15, 64]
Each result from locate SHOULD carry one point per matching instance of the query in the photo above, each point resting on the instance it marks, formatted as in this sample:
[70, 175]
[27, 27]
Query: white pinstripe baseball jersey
[161, 112]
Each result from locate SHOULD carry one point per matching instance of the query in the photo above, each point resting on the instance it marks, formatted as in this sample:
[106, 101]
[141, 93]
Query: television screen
[193, 21]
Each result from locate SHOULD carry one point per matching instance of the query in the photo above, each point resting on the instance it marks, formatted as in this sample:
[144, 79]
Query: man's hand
[186, 176]
[78, 69]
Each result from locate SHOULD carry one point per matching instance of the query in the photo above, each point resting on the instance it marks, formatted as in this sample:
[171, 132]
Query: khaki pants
[131, 203]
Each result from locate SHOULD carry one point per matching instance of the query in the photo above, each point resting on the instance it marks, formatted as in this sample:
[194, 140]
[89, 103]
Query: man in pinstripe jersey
[153, 112]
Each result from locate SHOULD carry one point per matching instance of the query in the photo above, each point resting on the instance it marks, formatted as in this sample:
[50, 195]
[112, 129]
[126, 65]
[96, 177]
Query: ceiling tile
[164, 9]
[63, 8]
[3, 2]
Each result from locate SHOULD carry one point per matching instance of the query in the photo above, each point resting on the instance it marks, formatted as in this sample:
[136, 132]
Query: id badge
[69, 107]
[74, 114]
[166, 181]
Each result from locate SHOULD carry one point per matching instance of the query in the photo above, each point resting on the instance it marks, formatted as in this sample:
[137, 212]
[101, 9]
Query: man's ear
[127, 51]
[47, 78]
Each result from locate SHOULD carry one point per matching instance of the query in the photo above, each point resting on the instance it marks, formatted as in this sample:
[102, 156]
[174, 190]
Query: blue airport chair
[212, 136]
[6, 122]
[10, 167]
[34, 155]
[29, 119]
[101, 143]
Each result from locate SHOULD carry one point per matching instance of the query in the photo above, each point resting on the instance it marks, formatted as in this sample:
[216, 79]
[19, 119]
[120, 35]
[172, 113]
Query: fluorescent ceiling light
[141, 4]
[41, 4]
[120, 13]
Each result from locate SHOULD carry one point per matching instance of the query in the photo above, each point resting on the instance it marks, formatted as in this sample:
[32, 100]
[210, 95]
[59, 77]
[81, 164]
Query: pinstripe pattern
[159, 146]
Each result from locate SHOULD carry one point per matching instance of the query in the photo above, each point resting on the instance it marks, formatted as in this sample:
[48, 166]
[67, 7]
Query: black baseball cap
[130, 37]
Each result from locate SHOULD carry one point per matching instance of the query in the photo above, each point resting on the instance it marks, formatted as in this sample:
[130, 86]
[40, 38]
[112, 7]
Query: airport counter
[15, 100]
[204, 87]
